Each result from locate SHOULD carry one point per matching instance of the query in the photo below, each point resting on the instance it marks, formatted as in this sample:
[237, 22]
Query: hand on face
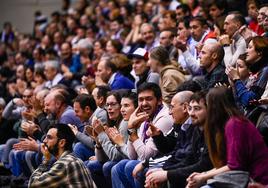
[136, 118]
[46, 153]
[224, 40]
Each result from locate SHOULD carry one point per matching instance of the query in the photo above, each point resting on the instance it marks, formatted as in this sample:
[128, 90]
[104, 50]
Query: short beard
[54, 150]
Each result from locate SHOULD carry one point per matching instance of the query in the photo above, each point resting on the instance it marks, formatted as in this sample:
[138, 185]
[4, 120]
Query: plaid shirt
[67, 171]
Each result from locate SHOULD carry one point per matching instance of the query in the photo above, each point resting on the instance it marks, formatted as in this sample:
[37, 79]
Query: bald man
[55, 105]
[211, 57]
[177, 144]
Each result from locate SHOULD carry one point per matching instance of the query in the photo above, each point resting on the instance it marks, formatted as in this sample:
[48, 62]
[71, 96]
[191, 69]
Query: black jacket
[197, 161]
[177, 143]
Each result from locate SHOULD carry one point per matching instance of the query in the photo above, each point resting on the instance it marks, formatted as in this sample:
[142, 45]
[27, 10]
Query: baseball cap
[140, 53]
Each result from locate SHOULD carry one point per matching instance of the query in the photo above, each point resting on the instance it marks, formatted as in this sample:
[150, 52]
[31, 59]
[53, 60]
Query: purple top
[246, 149]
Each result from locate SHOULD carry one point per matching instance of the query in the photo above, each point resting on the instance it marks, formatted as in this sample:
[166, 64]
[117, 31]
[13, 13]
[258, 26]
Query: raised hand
[29, 127]
[153, 130]
[136, 118]
[45, 152]
[232, 73]
[115, 136]
[26, 144]
[74, 129]
[97, 126]
[90, 131]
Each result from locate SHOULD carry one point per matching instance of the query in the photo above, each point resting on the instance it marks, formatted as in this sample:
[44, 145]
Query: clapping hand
[90, 131]
[97, 126]
[26, 144]
[115, 136]
[232, 73]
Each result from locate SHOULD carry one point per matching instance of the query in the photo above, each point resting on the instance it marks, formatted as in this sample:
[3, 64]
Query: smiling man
[140, 145]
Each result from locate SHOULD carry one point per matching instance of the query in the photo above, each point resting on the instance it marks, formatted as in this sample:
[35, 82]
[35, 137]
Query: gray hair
[53, 64]
[149, 25]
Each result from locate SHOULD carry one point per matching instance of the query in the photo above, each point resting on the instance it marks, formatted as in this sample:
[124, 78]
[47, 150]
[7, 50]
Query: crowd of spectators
[138, 93]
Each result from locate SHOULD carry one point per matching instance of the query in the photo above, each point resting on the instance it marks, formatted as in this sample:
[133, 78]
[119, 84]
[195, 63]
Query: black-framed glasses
[112, 105]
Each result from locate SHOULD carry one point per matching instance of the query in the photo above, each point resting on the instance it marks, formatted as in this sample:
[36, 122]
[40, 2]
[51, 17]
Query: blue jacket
[121, 82]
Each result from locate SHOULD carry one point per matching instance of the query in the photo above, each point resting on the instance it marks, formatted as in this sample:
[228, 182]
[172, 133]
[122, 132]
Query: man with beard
[140, 145]
[57, 108]
[197, 160]
[67, 170]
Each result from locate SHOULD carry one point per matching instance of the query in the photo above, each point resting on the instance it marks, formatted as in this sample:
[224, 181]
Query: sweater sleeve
[110, 149]
[86, 140]
[101, 155]
[132, 154]
[244, 95]
[11, 112]
[192, 64]
[231, 58]
[145, 150]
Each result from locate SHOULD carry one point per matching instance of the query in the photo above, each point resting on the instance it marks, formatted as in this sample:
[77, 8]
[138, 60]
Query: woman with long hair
[169, 71]
[233, 141]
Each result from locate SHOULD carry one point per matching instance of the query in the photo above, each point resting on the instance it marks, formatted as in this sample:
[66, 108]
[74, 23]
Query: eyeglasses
[180, 104]
[112, 105]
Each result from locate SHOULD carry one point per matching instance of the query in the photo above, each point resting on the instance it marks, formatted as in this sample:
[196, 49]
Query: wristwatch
[131, 131]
